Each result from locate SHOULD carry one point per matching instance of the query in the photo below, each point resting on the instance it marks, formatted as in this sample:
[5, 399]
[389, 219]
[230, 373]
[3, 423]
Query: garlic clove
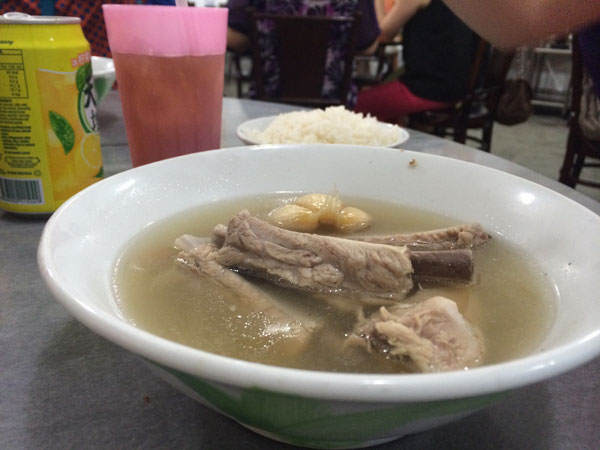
[295, 218]
[330, 211]
[316, 202]
[352, 219]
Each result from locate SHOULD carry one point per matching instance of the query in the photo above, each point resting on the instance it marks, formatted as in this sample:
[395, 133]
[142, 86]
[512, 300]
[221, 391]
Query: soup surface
[511, 301]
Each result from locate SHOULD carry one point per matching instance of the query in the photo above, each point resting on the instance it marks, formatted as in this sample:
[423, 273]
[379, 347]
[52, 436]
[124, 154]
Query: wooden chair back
[301, 46]
[477, 109]
[579, 149]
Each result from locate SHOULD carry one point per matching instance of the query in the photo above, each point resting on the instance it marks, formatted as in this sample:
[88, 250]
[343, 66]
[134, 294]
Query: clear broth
[511, 301]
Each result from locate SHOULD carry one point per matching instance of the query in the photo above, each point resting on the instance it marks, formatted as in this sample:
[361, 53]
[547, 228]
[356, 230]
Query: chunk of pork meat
[334, 265]
[429, 266]
[431, 336]
[313, 262]
[200, 255]
[464, 236]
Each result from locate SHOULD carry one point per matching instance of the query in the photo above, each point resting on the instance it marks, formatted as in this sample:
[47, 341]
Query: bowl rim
[384, 388]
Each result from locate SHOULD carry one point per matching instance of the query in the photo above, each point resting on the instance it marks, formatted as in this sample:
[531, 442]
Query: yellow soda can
[49, 141]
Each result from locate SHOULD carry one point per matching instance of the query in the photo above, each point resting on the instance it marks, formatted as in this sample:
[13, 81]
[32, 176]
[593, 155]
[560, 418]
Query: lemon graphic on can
[88, 160]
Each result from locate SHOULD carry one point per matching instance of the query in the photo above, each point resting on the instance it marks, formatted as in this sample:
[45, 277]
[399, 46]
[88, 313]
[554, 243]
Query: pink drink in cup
[169, 64]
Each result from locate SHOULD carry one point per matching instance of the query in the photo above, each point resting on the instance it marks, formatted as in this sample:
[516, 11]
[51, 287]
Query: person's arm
[368, 27]
[237, 41]
[398, 15]
[238, 25]
[510, 23]
[379, 10]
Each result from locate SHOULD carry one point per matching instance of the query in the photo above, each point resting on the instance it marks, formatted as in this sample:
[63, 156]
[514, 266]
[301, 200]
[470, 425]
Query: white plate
[103, 71]
[244, 130]
[102, 66]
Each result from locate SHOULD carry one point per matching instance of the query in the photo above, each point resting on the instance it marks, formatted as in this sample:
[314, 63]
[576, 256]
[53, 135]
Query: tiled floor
[539, 144]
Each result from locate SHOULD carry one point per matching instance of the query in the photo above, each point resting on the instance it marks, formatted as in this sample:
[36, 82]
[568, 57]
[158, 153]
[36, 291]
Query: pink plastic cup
[169, 63]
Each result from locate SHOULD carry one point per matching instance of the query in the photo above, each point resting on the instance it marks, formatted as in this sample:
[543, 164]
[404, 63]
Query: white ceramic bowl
[329, 410]
[103, 73]
[245, 131]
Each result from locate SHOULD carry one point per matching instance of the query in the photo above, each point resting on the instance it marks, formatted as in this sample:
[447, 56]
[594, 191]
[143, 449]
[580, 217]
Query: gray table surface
[64, 387]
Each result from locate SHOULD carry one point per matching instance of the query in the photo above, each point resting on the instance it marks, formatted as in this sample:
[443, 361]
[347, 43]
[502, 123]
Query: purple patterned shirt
[368, 32]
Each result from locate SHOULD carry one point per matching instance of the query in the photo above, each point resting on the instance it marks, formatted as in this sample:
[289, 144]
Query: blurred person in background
[239, 20]
[239, 30]
[438, 51]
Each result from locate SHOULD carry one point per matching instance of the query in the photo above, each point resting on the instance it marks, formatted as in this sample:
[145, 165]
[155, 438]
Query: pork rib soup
[347, 301]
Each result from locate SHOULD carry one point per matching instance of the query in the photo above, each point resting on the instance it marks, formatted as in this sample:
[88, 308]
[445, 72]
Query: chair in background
[386, 58]
[477, 109]
[580, 149]
[242, 75]
[301, 47]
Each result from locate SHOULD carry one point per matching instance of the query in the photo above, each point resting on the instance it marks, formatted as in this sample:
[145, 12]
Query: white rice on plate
[333, 125]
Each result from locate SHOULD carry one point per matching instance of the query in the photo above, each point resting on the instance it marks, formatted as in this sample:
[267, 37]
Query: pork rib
[462, 236]
[200, 255]
[313, 262]
[429, 266]
[442, 266]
